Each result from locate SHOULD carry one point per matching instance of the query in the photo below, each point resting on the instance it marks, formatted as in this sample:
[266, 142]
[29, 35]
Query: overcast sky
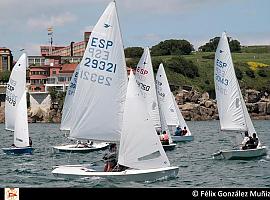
[24, 23]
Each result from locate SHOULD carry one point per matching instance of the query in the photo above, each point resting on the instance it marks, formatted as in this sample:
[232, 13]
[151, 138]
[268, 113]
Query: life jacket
[165, 137]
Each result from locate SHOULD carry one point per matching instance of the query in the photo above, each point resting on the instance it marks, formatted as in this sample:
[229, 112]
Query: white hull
[73, 148]
[182, 138]
[82, 171]
[240, 154]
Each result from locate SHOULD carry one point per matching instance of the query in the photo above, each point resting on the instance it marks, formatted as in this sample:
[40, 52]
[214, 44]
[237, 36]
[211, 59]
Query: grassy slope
[206, 70]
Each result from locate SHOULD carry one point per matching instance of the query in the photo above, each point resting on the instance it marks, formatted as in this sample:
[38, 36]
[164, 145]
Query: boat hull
[182, 138]
[169, 147]
[73, 148]
[82, 171]
[18, 150]
[240, 154]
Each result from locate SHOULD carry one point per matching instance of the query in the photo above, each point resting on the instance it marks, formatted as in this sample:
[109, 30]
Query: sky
[24, 23]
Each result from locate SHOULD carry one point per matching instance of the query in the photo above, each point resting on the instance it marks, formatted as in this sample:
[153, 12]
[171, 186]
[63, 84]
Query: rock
[268, 108]
[208, 104]
[262, 107]
[187, 106]
[205, 96]
[253, 96]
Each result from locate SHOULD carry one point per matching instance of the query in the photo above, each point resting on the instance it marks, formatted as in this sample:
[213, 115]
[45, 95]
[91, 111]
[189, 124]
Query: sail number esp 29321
[98, 56]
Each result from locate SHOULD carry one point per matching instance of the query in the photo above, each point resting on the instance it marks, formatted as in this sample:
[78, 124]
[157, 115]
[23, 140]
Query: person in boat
[249, 144]
[30, 142]
[165, 139]
[256, 141]
[184, 132]
[79, 144]
[89, 143]
[178, 131]
[110, 158]
[245, 140]
[119, 168]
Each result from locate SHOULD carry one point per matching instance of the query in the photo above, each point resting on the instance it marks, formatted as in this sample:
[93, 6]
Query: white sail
[164, 125]
[180, 117]
[102, 82]
[21, 133]
[167, 101]
[15, 89]
[145, 80]
[139, 133]
[66, 120]
[228, 94]
[249, 123]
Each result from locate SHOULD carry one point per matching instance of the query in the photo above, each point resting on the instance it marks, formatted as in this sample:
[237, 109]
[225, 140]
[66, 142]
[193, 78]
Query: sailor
[110, 158]
[245, 140]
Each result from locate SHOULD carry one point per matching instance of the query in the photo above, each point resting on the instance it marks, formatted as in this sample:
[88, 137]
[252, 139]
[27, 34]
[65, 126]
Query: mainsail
[146, 82]
[21, 133]
[66, 120]
[139, 132]
[231, 106]
[167, 101]
[14, 92]
[102, 82]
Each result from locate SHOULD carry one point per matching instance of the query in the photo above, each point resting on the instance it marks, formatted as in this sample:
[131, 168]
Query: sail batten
[102, 82]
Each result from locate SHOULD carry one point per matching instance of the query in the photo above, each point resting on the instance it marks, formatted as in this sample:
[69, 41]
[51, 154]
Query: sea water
[197, 168]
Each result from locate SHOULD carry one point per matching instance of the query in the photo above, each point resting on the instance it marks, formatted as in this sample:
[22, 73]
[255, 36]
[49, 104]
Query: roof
[68, 68]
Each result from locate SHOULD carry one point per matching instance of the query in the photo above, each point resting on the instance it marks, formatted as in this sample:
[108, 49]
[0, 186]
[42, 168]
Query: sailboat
[16, 109]
[66, 121]
[169, 107]
[232, 109]
[164, 127]
[146, 82]
[115, 110]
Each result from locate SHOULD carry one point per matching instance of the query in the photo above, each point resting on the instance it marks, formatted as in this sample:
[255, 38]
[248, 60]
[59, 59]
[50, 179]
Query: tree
[4, 76]
[172, 47]
[181, 65]
[156, 62]
[250, 73]
[211, 46]
[133, 52]
[262, 72]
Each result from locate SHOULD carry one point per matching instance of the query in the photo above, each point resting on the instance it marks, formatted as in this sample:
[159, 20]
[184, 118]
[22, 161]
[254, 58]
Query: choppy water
[197, 168]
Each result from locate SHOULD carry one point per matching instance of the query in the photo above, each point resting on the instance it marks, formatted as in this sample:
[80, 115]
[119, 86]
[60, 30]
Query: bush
[238, 73]
[172, 47]
[250, 73]
[262, 73]
[181, 65]
[156, 62]
[132, 62]
[133, 52]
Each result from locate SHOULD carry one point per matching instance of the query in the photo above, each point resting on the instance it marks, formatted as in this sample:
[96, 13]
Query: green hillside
[205, 63]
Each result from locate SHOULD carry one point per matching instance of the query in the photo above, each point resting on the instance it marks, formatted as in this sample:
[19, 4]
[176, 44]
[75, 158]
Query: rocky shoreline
[193, 105]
